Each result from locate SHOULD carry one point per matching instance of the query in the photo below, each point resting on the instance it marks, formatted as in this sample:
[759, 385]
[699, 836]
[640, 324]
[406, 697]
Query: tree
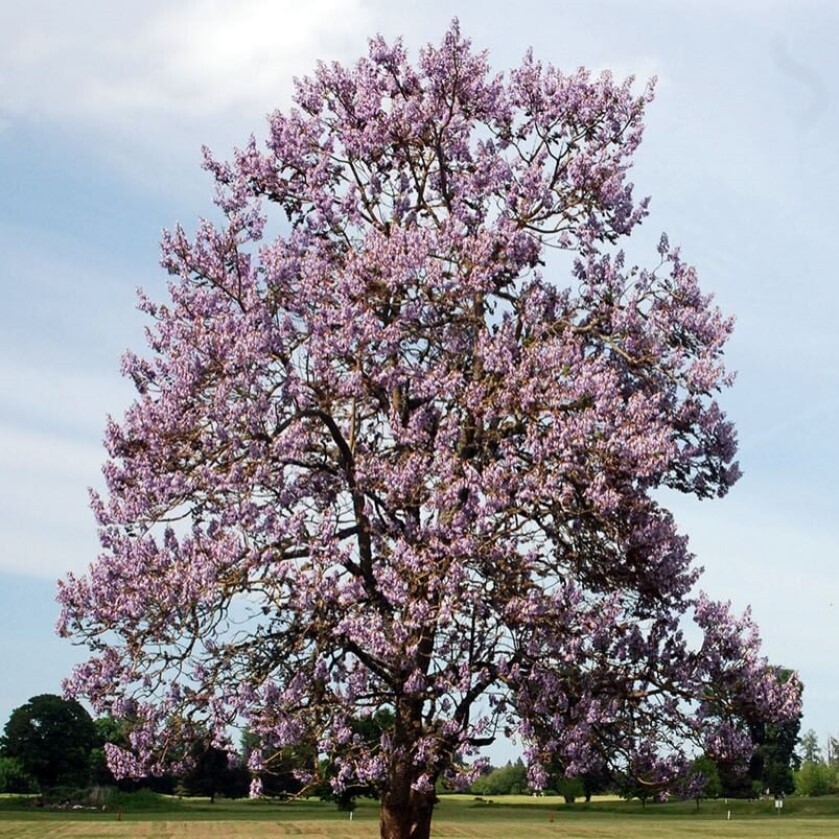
[704, 780]
[280, 778]
[110, 733]
[107, 730]
[51, 739]
[215, 771]
[832, 751]
[406, 454]
[12, 777]
[505, 780]
[571, 788]
[596, 779]
[810, 750]
[366, 733]
[773, 758]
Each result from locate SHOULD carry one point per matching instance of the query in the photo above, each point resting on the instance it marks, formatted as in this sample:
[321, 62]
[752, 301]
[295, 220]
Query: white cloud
[144, 85]
[94, 60]
[247, 52]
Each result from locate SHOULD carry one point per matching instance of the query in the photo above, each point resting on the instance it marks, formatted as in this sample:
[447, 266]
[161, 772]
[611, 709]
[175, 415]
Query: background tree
[13, 779]
[570, 788]
[283, 775]
[51, 739]
[504, 780]
[773, 759]
[107, 730]
[596, 780]
[382, 462]
[366, 735]
[115, 733]
[811, 751]
[816, 778]
[704, 781]
[215, 771]
[832, 751]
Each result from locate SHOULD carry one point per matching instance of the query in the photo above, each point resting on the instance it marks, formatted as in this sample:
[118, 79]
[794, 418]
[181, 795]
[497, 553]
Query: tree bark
[406, 814]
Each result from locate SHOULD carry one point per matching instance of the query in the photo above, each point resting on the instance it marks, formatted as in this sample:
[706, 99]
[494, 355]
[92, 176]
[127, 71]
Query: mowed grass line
[127, 829]
[457, 817]
[489, 828]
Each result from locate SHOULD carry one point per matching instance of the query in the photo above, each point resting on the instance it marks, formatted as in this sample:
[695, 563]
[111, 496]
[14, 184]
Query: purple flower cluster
[389, 459]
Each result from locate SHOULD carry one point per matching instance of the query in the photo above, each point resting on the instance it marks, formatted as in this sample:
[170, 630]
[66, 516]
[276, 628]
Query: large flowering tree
[402, 454]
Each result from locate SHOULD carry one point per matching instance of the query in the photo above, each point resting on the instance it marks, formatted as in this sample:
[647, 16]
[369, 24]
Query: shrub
[13, 779]
[815, 779]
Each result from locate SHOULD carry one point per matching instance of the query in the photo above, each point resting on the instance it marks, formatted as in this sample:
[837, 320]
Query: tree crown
[389, 458]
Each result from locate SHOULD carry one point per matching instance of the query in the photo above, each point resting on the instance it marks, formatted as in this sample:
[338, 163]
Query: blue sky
[102, 116]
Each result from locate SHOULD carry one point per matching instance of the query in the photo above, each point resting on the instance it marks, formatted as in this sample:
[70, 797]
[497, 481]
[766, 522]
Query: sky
[104, 108]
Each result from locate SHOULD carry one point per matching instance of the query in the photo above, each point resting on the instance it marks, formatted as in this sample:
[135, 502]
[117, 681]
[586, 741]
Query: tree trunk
[406, 814]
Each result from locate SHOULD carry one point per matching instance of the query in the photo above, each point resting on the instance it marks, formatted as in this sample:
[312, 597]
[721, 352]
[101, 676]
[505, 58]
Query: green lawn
[507, 817]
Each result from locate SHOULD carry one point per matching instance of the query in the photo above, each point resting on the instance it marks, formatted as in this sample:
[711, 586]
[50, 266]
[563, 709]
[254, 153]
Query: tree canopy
[50, 738]
[397, 443]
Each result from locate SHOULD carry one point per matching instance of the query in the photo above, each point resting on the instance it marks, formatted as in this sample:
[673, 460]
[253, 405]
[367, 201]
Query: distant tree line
[52, 744]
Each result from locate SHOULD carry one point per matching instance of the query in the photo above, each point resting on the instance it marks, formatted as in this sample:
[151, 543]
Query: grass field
[457, 817]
